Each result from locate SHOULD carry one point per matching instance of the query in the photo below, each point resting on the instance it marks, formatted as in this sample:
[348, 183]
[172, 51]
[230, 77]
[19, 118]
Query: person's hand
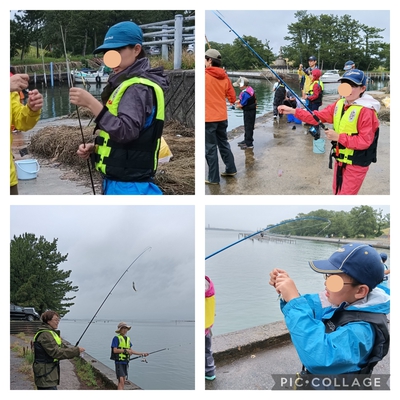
[145, 354]
[19, 82]
[80, 97]
[301, 66]
[130, 352]
[274, 274]
[331, 135]
[85, 150]
[35, 100]
[286, 110]
[81, 349]
[286, 287]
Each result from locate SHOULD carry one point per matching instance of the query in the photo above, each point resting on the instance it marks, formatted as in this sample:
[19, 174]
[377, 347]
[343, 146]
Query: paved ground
[283, 163]
[254, 371]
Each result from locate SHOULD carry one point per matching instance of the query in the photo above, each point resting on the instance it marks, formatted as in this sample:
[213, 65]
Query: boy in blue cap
[355, 132]
[341, 332]
[130, 116]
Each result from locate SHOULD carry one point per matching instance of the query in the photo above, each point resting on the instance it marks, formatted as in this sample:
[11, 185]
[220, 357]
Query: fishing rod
[156, 351]
[276, 75]
[116, 283]
[71, 84]
[267, 229]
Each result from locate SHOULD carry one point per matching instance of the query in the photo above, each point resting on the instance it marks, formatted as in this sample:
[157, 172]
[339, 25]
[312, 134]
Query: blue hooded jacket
[345, 350]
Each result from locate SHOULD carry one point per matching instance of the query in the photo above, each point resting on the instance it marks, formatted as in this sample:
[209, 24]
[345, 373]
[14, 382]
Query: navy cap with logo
[360, 261]
[354, 75]
[123, 34]
[348, 65]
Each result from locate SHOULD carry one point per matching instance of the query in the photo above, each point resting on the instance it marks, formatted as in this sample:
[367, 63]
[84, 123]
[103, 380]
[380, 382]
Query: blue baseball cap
[123, 34]
[312, 58]
[348, 65]
[360, 261]
[354, 75]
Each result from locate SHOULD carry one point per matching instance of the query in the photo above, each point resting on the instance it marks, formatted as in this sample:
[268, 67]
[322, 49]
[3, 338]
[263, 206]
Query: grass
[85, 372]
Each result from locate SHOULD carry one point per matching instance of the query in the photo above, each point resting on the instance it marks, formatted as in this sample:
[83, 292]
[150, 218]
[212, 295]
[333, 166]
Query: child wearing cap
[218, 88]
[342, 331]
[306, 73]
[355, 132]
[129, 118]
[120, 353]
[248, 103]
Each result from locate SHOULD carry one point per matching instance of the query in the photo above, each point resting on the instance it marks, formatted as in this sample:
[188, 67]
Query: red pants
[353, 177]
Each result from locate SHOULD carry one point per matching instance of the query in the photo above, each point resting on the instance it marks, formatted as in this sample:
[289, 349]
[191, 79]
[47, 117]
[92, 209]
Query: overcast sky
[101, 243]
[272, 25]
[255, 217]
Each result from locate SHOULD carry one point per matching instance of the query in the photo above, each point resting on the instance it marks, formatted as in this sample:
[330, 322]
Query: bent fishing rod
[267, 229]
[116, 283]
[71, 84]
[276, 75]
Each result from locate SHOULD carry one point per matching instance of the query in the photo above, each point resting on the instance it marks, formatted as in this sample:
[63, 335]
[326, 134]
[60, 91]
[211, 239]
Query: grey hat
[122, 325]
[212, 53]
[241, 82]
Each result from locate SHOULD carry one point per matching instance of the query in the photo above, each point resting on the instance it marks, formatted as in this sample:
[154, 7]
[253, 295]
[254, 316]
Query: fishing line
[71, 84]
[116, 283]
[276, 75]
[267, 229]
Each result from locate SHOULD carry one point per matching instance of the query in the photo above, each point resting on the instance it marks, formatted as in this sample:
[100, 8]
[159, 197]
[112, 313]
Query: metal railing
[170, 33]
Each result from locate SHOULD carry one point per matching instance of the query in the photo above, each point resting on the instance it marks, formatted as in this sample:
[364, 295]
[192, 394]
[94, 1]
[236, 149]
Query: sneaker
[275, 117]
[211, 183]
[210, 378]
[228, 173]
[242, 142]
[245, 147]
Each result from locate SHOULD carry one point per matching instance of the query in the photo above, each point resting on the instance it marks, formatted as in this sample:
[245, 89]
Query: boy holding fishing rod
[355, 132]
[120, 352]
[342, 332]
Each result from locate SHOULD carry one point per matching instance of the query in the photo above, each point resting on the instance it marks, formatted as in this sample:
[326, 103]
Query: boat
[90, 76]
[331, 75]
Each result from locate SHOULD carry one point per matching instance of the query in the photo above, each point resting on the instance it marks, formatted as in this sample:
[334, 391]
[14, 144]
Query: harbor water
[243, 296]
[169, 369]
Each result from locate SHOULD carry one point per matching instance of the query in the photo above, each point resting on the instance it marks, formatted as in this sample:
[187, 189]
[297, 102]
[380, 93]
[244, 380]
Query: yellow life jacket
[123, 343]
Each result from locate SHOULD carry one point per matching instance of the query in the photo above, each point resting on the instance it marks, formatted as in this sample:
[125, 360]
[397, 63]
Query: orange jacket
[218, 89]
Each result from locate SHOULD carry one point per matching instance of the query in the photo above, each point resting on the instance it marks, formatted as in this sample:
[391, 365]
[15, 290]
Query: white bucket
[27, 169]
[319, 146]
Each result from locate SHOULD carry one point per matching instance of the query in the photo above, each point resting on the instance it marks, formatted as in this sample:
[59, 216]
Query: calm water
[56, 99]
[171, 369]
[265, 97]
[244, 298]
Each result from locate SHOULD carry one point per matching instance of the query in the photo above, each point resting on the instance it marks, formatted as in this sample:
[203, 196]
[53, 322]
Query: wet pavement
[253, 369]
[283, 162]
[52, 178]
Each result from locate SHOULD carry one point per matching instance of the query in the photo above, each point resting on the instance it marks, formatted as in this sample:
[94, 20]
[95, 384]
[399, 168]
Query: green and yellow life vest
[40, 354]
[123, 343]
[345, 121]
[135, 161]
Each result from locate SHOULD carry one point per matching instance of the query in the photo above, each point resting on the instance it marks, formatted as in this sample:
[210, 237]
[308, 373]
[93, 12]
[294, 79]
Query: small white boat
[90, 77]
[331, 75]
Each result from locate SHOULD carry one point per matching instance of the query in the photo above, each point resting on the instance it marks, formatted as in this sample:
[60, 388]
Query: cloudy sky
[272, 25]
[101, 243]
[256, 217]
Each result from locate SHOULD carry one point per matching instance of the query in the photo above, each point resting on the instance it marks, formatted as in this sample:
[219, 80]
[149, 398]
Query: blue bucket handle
[30, 172]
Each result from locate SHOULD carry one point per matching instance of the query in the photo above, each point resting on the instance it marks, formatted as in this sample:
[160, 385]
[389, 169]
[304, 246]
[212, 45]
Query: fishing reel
[144, 360]
[314, 131]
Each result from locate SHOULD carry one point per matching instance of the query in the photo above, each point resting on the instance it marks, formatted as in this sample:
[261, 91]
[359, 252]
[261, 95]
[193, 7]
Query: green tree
[35, 277]
[363, 222]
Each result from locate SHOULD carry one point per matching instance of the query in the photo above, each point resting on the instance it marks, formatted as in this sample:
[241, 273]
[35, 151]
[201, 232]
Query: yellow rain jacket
[23, 119]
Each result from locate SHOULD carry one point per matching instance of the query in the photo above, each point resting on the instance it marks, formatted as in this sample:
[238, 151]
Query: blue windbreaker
[343, 351]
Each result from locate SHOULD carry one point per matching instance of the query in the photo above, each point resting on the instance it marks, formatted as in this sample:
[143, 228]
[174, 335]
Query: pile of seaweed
[59, 143]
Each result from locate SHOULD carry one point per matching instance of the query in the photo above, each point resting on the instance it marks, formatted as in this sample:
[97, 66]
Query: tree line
[82, 30]
[332, 39]
[360, 222]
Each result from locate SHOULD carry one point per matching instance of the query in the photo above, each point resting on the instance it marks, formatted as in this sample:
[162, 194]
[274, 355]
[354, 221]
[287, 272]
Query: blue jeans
[217, 139]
